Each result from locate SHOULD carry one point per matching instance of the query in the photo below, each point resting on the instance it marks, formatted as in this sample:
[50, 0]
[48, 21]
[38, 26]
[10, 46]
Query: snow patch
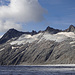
[26, 38]
[14, 47]
[59, 37]
[55, 37]
[68, 34]
[1, 36]
[72, 42]
[2, 49]
[73, 46]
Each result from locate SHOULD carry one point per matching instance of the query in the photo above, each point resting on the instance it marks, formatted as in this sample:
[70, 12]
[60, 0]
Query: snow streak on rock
[59, 37]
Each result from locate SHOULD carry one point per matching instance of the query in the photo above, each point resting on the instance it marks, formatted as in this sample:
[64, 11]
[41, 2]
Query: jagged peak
[48, 28]
[70, 29]
[12, 30]
[11, 33]
[71, 26]
[33, 32]
[52, 30]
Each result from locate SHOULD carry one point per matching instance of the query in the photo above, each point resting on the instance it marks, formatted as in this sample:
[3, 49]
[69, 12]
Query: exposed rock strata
[40, 51]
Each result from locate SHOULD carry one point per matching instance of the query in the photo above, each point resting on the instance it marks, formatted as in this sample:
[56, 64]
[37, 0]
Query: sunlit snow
[1, 36]
[59, 37]
[2, 49]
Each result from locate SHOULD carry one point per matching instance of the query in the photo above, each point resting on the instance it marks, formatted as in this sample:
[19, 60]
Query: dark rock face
[33, 32]
[52, 30]
[37, 53]
[70, 29]
[11, 33]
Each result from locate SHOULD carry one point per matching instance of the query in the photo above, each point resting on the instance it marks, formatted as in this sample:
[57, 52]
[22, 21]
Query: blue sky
[60, 15]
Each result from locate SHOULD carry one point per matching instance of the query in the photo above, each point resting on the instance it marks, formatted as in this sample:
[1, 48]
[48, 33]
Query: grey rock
[37, 53]
[70, 29]
[52, 30]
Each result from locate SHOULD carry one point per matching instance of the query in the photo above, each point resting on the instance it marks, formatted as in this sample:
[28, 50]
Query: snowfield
[59, 37]
[1, 36]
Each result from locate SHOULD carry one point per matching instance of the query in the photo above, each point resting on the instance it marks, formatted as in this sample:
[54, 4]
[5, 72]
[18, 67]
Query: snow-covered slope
[59, 37]
[51, 46]
[26, 38]
[1, 36]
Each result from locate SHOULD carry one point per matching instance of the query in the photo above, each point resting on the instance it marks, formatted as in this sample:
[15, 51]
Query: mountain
[70, 29]
[51, 46]
[52, 30]
[12, 33]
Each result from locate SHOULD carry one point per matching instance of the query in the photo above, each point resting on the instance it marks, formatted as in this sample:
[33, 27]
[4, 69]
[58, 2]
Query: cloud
[5, 25]
[21, 11]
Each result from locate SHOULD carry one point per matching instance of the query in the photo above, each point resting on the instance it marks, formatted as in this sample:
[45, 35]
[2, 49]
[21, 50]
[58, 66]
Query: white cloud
[5, 25]
[21, 11]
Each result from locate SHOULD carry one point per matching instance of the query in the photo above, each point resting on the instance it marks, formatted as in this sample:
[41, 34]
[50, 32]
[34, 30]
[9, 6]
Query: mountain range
[50, 46]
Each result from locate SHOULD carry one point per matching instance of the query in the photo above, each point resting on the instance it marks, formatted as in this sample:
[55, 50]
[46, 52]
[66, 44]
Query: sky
[28, 15]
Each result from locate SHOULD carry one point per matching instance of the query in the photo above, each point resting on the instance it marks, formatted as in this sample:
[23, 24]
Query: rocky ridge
[51, 46]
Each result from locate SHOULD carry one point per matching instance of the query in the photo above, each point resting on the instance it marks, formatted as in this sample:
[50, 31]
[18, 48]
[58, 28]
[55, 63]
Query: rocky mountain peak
[11, 33]
[49, 29]
[70, 29]
[33, 32]
[12, 30]
[52, 30]
[41, 49]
